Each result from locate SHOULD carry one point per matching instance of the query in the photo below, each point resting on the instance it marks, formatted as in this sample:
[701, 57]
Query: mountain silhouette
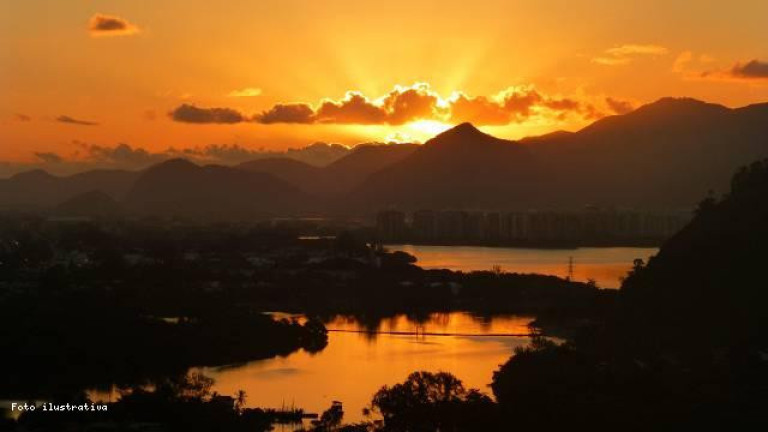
[339, 176]
[38, 188]
[461, 167]
[297, 173]
[180, 188]
[663, 155]
[711, 266]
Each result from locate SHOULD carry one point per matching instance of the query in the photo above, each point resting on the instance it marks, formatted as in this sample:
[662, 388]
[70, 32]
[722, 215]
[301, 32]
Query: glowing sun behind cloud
[425, 129]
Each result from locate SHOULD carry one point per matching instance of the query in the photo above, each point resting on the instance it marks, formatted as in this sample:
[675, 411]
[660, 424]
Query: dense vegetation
[685, 343]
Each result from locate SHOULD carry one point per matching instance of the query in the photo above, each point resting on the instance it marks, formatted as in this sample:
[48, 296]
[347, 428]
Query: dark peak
[665, 111]
[463, 132]
[755, 108]
[36, 174]
[464, 135]
[465, 128]
[174, 164]
[674, 105]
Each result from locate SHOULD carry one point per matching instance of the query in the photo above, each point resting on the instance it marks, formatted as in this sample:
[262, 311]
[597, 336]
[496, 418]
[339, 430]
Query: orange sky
[152, 74]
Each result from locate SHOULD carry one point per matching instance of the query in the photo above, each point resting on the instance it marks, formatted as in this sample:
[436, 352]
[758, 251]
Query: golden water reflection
[606, 266]
[355, 365]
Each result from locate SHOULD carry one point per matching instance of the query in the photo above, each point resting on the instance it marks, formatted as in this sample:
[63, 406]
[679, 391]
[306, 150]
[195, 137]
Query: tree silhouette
[432, 401]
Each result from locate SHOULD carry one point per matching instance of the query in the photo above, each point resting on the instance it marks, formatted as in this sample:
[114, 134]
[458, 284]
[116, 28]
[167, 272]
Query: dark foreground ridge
[684, 342]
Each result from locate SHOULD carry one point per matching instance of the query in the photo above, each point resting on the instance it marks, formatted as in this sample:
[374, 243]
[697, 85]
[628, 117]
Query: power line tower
[570, 269]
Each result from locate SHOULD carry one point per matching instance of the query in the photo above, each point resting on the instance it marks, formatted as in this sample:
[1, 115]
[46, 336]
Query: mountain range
[667, 154]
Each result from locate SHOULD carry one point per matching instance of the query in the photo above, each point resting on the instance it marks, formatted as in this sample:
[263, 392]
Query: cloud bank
[88, 156]
[408, 104]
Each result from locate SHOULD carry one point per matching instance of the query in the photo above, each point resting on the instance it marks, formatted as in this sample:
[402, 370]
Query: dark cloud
[353, 109]
[754, 69]
[49, 157]
[562, 104]
[216, 153]
[408, 104]
[121, 154]
[287, 113]
[187, 113]
[520, 100]
[619, 106]
[401, 105]
[515, 104]
[22, 117]
[108, 25]
[70, 120]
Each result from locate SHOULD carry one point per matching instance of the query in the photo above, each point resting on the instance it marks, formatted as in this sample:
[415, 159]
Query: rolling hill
[180, 188]
[667, 154]
[664, 155]
[37, 189]
[339, 176]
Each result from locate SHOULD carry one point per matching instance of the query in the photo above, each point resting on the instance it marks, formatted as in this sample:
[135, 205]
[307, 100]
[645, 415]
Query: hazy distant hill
[181, 188]
[667, 154]
[364, 160]
[297, 173]
[39, 189]
[338, 177]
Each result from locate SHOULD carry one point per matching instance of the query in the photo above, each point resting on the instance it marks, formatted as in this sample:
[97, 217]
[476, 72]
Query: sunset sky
[81, 75]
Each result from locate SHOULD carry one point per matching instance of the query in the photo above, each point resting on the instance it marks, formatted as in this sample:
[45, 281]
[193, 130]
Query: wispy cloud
[625, 54]
[74, 121]
[245, 92]
[109, 25]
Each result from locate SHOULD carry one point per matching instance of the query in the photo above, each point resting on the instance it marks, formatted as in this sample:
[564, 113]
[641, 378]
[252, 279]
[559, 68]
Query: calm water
[605, 265]
[360, 359]
[355, 365]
